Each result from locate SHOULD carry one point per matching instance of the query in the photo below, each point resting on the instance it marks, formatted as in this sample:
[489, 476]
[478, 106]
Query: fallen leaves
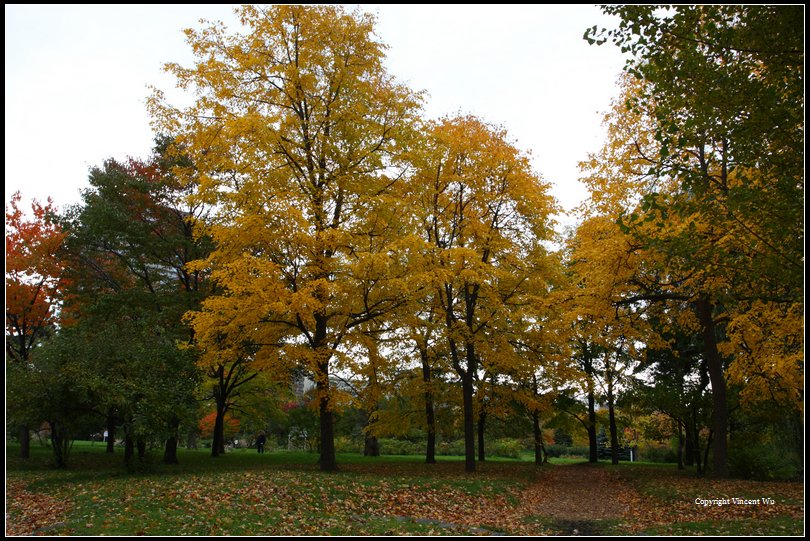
[398, 499]
[31, 513]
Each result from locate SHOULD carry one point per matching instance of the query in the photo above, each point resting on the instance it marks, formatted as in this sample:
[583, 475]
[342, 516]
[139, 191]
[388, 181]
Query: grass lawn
[284, 493]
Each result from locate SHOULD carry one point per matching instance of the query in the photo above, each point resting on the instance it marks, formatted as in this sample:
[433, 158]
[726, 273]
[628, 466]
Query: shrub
[392, 446]
[504, 447]
[649, 452]
[574, 451]
[450, 448]
[345, 444]
[763, 462]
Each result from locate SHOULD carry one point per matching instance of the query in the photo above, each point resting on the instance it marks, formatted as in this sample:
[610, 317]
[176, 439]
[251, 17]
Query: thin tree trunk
[614, 436]
[538, 438]
[482, 420]
[593, 451]
[110, 431]
[469, 424]
[709, 442]
[25, 441]
[680, 444]
[170, 452]
[430, 416]
[129, 448]
[689, 445]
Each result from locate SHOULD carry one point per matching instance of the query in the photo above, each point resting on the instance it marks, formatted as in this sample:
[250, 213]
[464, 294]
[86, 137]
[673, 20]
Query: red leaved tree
[33, 282]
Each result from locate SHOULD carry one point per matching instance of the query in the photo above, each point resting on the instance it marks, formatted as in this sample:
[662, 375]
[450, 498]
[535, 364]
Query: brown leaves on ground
[397, 499]
[31, 513]
[669, 497]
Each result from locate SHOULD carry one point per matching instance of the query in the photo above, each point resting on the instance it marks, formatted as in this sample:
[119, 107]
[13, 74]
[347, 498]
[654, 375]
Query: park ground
[284, 493]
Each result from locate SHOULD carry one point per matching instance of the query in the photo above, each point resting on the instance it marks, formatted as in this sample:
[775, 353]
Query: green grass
[779, 526]
[244, 493]
[284, 493]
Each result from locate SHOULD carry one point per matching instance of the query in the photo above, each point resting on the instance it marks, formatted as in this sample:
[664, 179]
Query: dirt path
[578, 492]
[574, 500]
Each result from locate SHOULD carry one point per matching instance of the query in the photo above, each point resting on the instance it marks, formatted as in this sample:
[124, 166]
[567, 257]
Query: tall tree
[295, 136]
[723, 87]
[34, 281]
[483, 214]
[126, 253]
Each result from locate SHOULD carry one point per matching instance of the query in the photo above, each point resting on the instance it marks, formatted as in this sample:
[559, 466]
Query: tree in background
[483, 215]
[126, 254]
[34, 281]
[719, 179]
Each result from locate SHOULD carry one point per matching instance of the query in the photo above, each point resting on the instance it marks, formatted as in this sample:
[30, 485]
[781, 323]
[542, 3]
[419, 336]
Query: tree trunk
[696, 450]
[25, 441]
[372, 446]
[60, 443]
[218, 442]
[593, 452]
[482, 420]
[614, 436]
[680, 445]
[327, 460]
[129, 448]
[170, 452]
[110, 431]
[709, 442]
[717, 377]
[430, 416]
[141, 443]
[688, 445]
[469, 423]
[538, 438]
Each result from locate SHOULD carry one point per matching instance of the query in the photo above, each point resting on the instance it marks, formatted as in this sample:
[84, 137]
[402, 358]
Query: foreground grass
[284, 493]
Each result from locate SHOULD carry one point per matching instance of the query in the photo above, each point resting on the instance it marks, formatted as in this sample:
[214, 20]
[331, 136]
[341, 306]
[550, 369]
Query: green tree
[33, 288]
[125, 254]
[722, 88]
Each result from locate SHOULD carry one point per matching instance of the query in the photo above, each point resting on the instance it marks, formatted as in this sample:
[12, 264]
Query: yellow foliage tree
[483, 214]
[295, 135]
[688, 217]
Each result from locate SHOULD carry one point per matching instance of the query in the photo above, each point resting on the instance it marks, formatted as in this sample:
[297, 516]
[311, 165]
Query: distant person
[260, 441]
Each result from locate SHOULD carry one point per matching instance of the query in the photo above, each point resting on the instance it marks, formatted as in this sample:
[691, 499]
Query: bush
[649, 452]
[345, 444]
[504, 447]
[763, 462]
[574, 451]
[446, 448]
[391, 446]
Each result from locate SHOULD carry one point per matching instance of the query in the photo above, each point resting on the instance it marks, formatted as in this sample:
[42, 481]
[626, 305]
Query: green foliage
[559, 450]
[505, 447]
[53, 389]
[763, 462]
[650, 452]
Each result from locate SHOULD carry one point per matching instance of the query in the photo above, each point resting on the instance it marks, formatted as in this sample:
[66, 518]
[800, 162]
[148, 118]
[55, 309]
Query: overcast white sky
[77, 76]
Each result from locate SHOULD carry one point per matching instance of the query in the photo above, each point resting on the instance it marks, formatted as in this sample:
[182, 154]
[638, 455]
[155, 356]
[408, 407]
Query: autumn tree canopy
[295, 135]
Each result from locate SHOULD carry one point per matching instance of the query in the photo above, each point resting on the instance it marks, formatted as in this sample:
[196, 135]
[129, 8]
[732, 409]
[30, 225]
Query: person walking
[260, 441]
